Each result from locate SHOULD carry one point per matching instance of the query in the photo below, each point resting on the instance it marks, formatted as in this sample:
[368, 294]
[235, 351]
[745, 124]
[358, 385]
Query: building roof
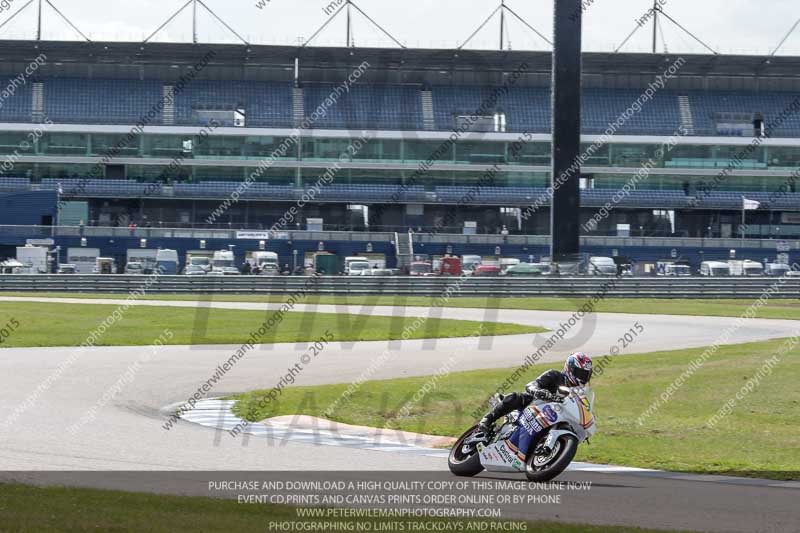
[395, 65]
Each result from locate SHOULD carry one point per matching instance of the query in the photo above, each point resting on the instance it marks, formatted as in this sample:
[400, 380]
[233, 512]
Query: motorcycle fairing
[501, 456]
[534, 420]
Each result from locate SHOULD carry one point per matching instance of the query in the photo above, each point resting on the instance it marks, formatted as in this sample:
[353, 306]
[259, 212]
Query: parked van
[714, 269]
[679, 270]
[167, 262]
[223, 263]
[602, 266]
[200, 261]
[746, 268]
[776, 269]
[264, 260]
[355, 266]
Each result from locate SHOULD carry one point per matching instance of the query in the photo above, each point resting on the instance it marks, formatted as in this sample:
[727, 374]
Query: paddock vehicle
[66, 268]
[529, 269]
[487, 270]
[270, 270]
[263, 260]
[746, 268]
[356, 268]
[602, 266]
[378, 272]
[714, 269]
[201, 262]
[134, 267]
[167, 262]
[469, 263]
[678, 270]
[776, 269]
[195, 270]
[540, 441]
[420, 268]
[450, 266]
[508, 262]
[223, 263]
[105, 265]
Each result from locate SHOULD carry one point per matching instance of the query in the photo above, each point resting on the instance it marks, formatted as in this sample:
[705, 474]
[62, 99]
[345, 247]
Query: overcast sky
[729, 26]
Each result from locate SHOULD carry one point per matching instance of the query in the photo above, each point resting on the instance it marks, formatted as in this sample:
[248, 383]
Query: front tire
[465, 460]
[541, 469]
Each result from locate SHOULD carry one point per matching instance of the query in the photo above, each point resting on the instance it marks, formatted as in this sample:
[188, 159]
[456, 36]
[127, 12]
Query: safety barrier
[404, 286]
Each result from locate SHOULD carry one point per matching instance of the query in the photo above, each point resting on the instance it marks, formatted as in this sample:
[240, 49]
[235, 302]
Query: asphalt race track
[128, 433]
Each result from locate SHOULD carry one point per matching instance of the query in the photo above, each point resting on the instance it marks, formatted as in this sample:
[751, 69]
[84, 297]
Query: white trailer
[33, 259]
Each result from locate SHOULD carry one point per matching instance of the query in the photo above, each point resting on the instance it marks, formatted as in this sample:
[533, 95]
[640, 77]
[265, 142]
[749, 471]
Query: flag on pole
[750, 205]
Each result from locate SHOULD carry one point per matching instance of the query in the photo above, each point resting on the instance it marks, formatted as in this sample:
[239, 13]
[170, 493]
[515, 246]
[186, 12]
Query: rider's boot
[486, 424]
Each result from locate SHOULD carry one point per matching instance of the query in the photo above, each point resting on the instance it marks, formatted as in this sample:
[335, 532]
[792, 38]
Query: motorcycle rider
[577, 373]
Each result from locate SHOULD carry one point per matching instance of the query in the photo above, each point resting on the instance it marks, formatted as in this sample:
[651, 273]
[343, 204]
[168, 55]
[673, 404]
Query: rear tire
[465, 463]
[567, 447]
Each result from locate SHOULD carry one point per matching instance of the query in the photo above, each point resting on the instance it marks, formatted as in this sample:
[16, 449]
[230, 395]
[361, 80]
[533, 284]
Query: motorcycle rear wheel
[462, 462]
[563, 453]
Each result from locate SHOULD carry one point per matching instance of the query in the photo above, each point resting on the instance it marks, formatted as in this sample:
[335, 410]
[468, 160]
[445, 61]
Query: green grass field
[759, 439]
[57, 324]
[776, 308]
[26, 509]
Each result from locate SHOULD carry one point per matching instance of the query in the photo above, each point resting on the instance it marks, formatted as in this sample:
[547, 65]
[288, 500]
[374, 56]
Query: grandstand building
[380, 141]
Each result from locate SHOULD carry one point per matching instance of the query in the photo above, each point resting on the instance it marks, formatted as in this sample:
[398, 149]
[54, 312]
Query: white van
[602, 266]
[714, 269]
[776, 269]
[680, 270]
[355, 265]
[264, 259]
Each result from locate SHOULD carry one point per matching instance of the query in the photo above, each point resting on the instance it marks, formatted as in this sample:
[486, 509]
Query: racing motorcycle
[541, 440]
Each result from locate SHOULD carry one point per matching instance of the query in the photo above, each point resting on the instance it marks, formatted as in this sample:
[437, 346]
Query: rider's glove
[541, 394]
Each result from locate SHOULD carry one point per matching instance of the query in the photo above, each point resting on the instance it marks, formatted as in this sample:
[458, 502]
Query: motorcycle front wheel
[464, 459]
[544, 468]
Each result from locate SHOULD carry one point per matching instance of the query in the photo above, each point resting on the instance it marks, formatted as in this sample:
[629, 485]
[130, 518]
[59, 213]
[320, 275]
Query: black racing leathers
[543, 386]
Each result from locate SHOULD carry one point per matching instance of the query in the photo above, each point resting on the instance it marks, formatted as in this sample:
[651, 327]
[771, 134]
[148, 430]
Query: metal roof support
[39, 19]
[17, 12]
[785, 38]
[657, 8]
[503, 9]
[194, 4]
[60, 14]
[178, 12]
[347, 6]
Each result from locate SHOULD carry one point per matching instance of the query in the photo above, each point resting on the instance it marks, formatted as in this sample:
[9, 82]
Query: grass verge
[775, 308]
[758, 439]
[55, 324]
[51, 510]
